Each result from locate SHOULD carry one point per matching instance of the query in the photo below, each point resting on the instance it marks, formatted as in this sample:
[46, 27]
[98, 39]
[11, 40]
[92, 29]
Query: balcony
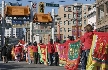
[102, 22]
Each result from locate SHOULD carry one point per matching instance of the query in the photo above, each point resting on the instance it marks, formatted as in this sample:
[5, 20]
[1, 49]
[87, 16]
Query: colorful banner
[98, 57]
[31, 53]
[73, 56]
[43, 54]
[62, 55]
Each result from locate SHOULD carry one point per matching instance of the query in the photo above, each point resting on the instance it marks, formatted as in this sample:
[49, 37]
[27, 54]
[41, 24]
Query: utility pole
[77, 27]
[53, 24]
[3, 22]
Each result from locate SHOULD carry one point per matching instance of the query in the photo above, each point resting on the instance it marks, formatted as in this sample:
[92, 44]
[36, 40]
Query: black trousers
[35, 55]
[56, 58]
[50, 58]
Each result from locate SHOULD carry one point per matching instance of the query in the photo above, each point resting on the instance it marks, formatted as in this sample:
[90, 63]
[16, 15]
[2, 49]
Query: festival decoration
[62, 55]
[98, 57]
[73, 56]
[43, 54]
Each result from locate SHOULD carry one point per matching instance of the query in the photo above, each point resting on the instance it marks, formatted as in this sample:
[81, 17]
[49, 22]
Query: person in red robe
[35, 52]
[86, 40]
[18, 51]
[50, 47]
[56, 46]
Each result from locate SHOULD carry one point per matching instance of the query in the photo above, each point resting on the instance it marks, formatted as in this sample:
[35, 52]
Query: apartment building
[72, 20]
[92, 15]
[102, 15]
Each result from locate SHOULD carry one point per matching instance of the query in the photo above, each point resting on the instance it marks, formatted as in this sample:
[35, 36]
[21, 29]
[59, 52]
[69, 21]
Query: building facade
[72, 20]
[102, 15]
[92, 15]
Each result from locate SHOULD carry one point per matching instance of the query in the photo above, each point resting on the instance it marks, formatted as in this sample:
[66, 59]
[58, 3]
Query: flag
[73, 56]
[43, 54]
[98, 57]
[62, 55]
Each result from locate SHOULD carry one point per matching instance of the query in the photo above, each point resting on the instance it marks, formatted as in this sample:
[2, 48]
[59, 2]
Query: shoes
[29, 63]
[83, 69]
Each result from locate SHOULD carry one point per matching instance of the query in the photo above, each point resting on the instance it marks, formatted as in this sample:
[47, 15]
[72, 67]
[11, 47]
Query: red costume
[56, 46]
[50, 48]
[35, 48]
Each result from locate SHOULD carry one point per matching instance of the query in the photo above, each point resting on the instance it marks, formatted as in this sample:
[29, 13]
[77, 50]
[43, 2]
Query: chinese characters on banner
[98, 58]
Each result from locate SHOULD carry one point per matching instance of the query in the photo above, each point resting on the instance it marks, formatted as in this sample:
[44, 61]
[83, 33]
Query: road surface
[12, 65]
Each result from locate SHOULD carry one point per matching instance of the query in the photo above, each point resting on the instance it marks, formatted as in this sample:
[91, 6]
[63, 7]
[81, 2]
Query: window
[55, 23]
[69, 22]
[60, 29]
[64, 36]
[55, 29]
[74, 8]
[60, 22]
[69, 15]
[65, 9]
[74, 22]
[64, 22]
[69, 9]
[79, 22]
[34, 38]
[69, 29]
[74, 15]
[85, 8]
[84, 21]
[64, 30]
[64, 15]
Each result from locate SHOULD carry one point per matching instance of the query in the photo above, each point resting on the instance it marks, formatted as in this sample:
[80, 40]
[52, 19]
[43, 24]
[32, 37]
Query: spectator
[4, 54]
[86, 40]
[35, 52]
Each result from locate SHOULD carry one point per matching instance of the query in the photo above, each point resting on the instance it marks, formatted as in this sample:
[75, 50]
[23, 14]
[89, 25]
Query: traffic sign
[42, 31]
[52, 5]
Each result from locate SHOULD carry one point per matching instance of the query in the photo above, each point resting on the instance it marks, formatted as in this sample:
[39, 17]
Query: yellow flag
[90, 66]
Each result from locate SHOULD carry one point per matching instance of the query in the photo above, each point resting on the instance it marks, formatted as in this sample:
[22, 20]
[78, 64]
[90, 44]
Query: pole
[77, 27]
[53, 15]
[31, 24]
[3, 26]
[59, 31]
[11, 32]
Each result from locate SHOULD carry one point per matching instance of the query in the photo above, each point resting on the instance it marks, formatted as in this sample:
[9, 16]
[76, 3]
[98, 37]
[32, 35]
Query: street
[12, 65]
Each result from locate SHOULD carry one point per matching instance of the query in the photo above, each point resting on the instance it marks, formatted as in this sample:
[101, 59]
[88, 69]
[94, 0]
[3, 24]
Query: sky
[48, 9]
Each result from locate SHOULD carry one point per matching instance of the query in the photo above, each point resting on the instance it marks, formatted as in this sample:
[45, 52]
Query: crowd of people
[21, 52]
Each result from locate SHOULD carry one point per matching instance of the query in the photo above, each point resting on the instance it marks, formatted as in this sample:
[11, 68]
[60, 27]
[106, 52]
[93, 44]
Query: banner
[73, 56]
[62, 55]
[43, 54]
[98, 57]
